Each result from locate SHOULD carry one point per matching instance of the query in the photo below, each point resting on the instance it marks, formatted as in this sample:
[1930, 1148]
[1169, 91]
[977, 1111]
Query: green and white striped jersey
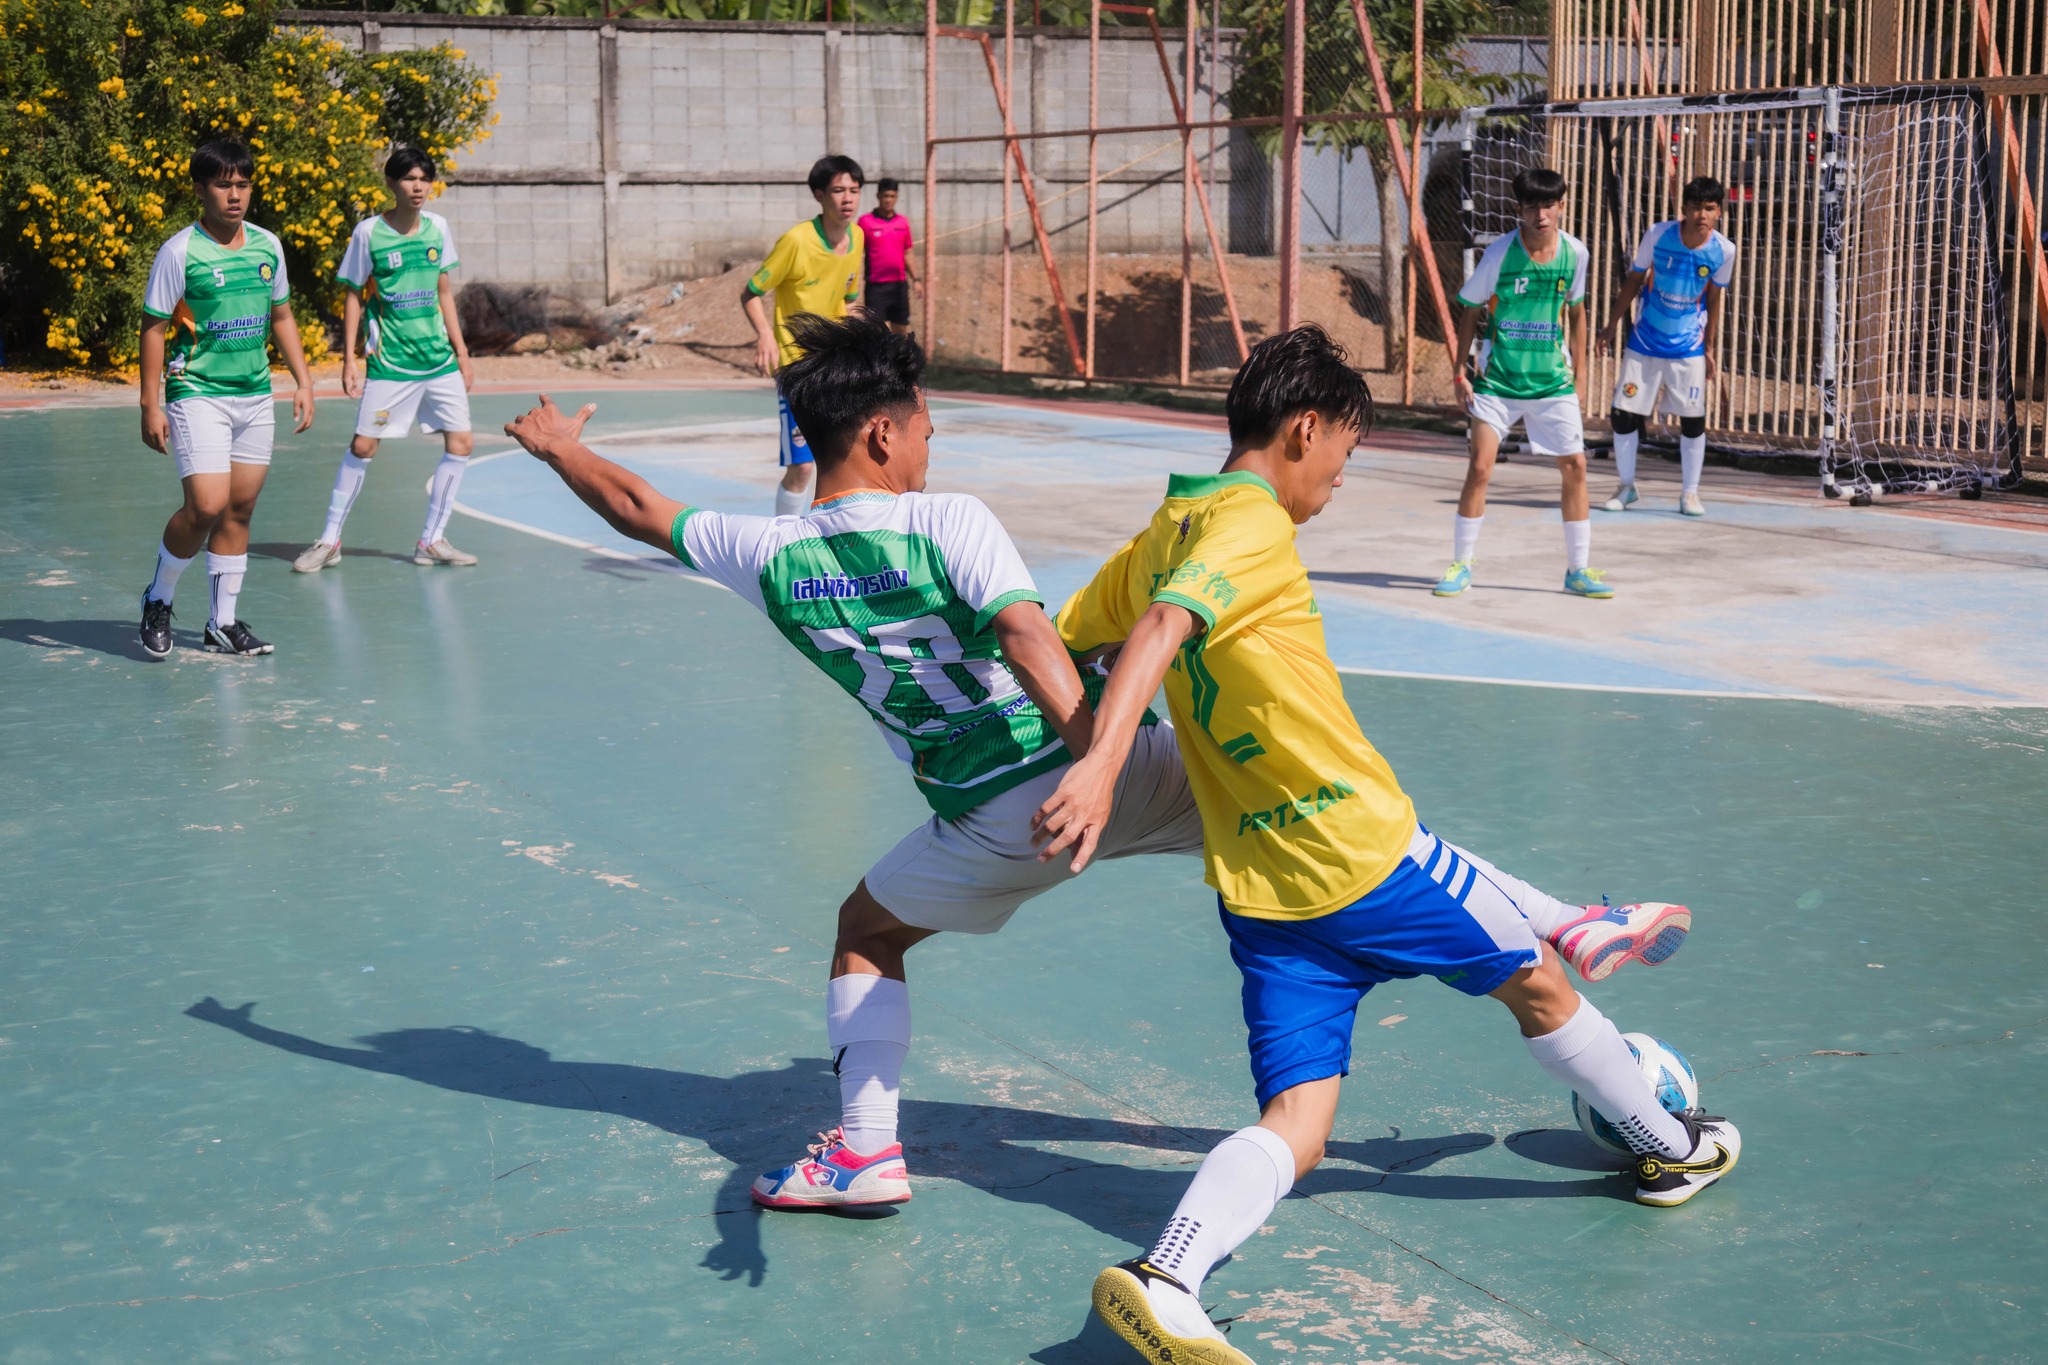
[218, 302]
[1526, 355]
[399, 275]
[893, 596]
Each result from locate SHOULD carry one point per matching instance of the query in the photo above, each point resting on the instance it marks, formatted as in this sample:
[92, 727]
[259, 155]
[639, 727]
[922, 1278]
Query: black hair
[1704, 189]
[830, 168]
[886, 184]
[221, 156]
[1539, 185]
[1292, 373]
[405, 160]
[849, 371]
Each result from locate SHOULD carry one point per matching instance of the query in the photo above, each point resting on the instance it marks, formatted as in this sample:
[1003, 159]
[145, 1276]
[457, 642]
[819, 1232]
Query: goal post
[1867, 322]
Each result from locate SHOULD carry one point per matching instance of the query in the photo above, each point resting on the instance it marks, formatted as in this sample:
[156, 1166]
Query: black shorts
[889, 300]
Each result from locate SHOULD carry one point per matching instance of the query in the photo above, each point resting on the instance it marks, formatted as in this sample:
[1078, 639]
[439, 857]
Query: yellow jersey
[806, 275]
[1300, 814]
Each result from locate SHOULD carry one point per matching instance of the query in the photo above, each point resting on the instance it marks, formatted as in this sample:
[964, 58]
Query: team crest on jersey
[1562, 285]
[1628, 390]
[1184, 524]
[433, 255]
[1704, 272]
[266, 271]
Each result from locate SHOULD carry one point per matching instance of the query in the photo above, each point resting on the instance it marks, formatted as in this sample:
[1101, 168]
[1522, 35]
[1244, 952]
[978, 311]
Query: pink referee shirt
[888, 242]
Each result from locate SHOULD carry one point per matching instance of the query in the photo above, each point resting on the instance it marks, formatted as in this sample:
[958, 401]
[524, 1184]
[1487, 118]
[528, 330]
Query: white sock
[441, 496]
[1578, 544]
[1546, 914]
[1625, 455]
[790, 501]
[867, 1024]
[1465, 538]
[1692, 457]
[226, 572]
[168, 567]
[348, 481]
[1239, 1183]
[1588, 1055]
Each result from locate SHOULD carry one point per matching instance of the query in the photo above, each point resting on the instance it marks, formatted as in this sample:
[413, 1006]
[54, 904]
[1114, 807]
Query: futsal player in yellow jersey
[1327, 883]
[815, 267]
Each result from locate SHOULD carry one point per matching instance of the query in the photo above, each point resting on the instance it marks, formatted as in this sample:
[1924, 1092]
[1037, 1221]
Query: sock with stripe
[441, 496]
[225, 572]
[168, 567]
[1589, 1056]
[348, 481]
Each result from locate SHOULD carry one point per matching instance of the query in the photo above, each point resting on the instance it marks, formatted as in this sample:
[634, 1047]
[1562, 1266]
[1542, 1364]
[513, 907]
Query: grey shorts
[969, 875]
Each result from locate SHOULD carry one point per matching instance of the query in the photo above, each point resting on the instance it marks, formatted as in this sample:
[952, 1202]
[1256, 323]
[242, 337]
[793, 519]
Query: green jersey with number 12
[218, 301]
[894, 596]
[407, 338]
[1526, 353]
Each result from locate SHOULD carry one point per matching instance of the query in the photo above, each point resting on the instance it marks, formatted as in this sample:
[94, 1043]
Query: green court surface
[432, 990]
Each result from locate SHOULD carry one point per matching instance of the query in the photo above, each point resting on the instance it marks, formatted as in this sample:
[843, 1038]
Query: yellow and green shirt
[1300, 814]
[805, 275]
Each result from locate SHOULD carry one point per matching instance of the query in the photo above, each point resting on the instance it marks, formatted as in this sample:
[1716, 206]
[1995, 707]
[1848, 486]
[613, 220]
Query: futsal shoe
[317, 556]
[1623, 496]
[1605, 938]
[1587, 583]
[834, 1176]
[1161, 1320]
[1689, 505]
[1456, 579]
[1666, 1184]
[235, 638]
[441, 552]
[156, 627]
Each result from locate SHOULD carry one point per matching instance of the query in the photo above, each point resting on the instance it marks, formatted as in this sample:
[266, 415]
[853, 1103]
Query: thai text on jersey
[218, 301]
[894, 598]
[1672, 323]
[399, 274]
[1526, 354]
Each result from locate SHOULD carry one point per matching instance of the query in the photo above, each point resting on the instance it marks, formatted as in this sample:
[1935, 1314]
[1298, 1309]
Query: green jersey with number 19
[894, 596]
[407, 338]
[218, 300]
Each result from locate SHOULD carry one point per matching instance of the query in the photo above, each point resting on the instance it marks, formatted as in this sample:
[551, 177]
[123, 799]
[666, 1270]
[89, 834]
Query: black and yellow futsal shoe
[1715, 1146]
[1161, 1320]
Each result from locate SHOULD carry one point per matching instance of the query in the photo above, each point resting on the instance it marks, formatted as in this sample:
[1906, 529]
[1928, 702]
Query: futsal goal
[1867, 320]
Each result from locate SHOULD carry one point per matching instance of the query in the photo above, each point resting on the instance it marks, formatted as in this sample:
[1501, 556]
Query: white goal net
[1867, 319]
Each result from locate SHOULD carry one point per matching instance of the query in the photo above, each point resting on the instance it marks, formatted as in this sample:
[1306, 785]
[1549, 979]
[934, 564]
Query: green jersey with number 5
[399, 275]
[218, 301]
[894, 596]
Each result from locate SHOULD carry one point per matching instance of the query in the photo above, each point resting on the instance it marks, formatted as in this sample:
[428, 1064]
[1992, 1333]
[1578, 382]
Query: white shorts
[1683, 379]
[969, 875]
[1553, 425]
[389, 406]
[210, 433]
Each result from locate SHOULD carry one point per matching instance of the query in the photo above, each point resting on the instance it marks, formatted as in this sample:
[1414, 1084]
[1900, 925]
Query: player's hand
[767, 356]
[1604, 343]
[467, 371]
[1461, 389]
[302, 409]
[1713, 370]
[156, 429]
[351, 378]
[1075, 815]
[546, 426]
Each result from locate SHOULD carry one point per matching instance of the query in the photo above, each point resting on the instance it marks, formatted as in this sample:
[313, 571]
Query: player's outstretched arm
[1037, 656]
[624, 499]
[1075, 815]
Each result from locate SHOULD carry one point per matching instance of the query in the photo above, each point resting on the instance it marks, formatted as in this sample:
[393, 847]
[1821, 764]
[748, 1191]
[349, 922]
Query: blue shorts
[1436, 914]
[795, 450]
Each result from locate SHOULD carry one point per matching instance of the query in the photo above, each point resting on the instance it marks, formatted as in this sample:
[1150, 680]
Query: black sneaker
[156, 626]
[235, 638]
[1715, 1147]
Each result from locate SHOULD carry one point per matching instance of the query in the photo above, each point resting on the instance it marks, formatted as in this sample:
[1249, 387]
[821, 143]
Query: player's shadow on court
[117, 638]
[289, 551]
[756, 1119]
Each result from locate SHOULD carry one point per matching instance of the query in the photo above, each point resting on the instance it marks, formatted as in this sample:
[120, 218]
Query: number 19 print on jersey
[894, 596]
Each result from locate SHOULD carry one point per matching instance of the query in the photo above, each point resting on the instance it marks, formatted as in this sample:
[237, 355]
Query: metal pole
[1468, 125]
[1187, 196]
[1830, 303]
[1408, 271]
[1094, 109]
[1290, 165]
[929, 320]
[1009, 175]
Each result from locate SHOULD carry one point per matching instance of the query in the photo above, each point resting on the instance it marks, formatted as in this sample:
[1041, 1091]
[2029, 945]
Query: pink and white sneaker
[1606, 936]
[834, 1176]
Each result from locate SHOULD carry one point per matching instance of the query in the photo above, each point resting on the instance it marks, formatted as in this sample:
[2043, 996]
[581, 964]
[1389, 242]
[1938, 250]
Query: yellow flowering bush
[106, 100]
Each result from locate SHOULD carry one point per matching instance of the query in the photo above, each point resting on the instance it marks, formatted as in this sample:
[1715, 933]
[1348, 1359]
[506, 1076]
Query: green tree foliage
[105, 101]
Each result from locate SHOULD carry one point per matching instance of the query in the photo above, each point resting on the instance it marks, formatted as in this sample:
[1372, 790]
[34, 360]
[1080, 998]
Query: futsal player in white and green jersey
[217, 294]
[919, 606]
[1529, 290]
[419, 364]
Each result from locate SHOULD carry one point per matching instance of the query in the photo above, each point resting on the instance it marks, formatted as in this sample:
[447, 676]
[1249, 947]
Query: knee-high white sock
[226, 572]
[1546, 914]
[790, 501]
[348, 481]
[867, 1023]
[168, 567]
[1692, 458]
[1625, 455]
[1588, 1055]
[1578, 544]
[1465, 538]
[1240, 1181]
[441, 496]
